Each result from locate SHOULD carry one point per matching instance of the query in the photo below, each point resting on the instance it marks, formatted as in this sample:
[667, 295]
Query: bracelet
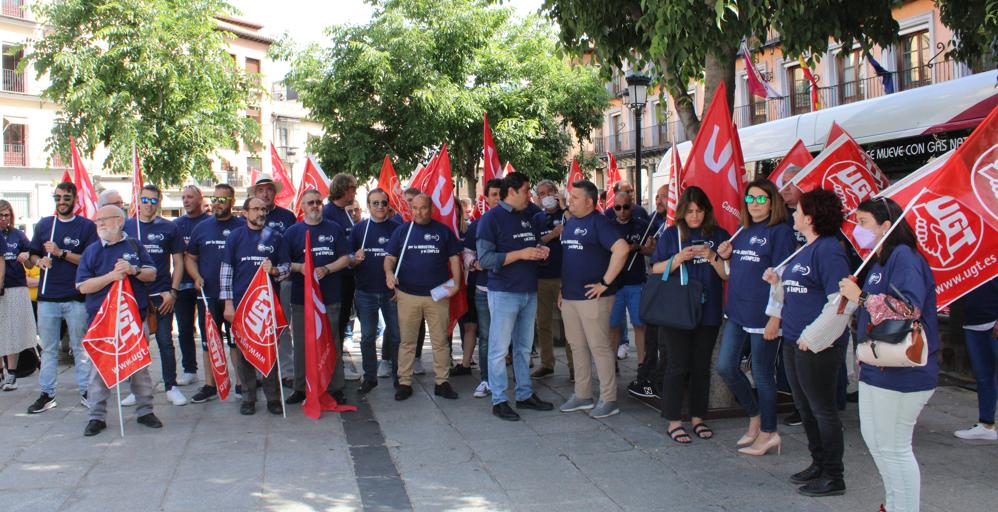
[862, 298]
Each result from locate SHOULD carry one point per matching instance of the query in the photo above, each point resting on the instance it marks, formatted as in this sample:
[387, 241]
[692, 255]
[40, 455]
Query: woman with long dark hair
[890, 399]
[691, 244]
[16, 321]
[764, 241]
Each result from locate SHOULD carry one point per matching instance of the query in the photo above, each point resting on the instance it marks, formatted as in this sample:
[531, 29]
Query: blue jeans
[763, 372]
[982, 348]
[50, 317]
[185, 310]
[164, 340]
[368, 305]
[484, 324]
[515, 315]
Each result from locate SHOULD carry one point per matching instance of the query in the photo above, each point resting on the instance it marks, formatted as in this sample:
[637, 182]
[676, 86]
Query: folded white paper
[440, 292]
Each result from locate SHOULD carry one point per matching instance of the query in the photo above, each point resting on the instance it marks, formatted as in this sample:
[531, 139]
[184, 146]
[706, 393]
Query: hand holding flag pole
[640, 243]
[45, 278]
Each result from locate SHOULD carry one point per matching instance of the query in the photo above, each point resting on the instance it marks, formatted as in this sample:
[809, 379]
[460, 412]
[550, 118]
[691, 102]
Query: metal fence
[14, 8]
[14, 155]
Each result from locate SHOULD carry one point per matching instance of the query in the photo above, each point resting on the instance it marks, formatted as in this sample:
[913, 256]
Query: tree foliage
[422, 73]
[155, 74]
[975, 27]
[698, 40]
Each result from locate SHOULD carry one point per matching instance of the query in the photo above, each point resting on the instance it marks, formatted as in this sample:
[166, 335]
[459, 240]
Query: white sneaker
[417, 368]
[176, 397]
[978, 432]
[349, 374]
[384, 369]
[186, 379]
[483, 390]
[622, 352]
[128, 401]
[9, 382]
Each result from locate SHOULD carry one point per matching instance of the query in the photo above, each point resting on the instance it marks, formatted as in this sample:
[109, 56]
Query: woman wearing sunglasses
[764, 241]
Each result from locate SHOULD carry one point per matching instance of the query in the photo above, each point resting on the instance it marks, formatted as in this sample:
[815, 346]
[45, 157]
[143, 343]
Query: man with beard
[187, 298]
[159, 237]
[116, 257]
[330, 255]
[247, 248]
[57, 252]
[204, 258]
[342, 191]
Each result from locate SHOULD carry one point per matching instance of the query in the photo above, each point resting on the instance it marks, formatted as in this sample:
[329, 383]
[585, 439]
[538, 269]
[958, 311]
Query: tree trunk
[720, 67]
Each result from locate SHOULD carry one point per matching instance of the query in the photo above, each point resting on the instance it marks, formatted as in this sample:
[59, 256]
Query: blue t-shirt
[758, 247]
[207, 243]
[15, 242]
[657, 220]
[280, 219]
[509, 231]
[698, 269]
[631, 232]
[425, 263]
[476, 278]
[185, 226]
[245, 250]
[801, 240]
[329, 243]
[99, 259]
[907, 271]
[161, 240]
[586, 245]
[532, 209]
[544, 223]
[370, 274]
[340, 216]
[808, 279]
[74, 236]
[979, 306]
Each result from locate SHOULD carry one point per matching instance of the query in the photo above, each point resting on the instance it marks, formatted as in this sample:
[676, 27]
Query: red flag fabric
[612, 177]
[133, 209]
[798, 155]
[421, 178]
[439, 185]
[312, 179]
[320, 352]
[115, 341]
[675, 180]
[712, 164]
[837, 131]
[756, 85]
[282, 176]
[841, 168]
[508, 169]
[389, 182]
[66, 178]
[253, 325]
[254, 174]
[216, 354]
[86, 195]
[736, 142]
[574, 174]
[490, 156]
[834, 133]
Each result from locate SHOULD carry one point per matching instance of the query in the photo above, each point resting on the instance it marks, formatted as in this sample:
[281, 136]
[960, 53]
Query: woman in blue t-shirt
[764, 241]
[890, 399]
[691, 243]
[980, 331]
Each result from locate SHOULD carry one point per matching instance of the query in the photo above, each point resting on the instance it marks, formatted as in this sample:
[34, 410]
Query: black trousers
[688, 355]
[652, 367]
[813, 380]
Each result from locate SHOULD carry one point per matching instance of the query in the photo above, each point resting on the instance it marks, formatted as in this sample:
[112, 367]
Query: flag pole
[45, 278]
[277, 345]
[117, 367]
[363, 243]
[405, 244]
[737, 231]
[640, 243]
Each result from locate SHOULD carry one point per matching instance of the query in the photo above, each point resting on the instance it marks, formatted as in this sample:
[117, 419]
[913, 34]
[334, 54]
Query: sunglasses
[62, 197]
[220, 199]
[314, 202]
[149, 200]
[619, 207]
[379, 204]
[749, 199]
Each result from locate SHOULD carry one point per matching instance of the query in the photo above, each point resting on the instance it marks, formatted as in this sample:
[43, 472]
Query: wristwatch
[862, 298]
[604, 283]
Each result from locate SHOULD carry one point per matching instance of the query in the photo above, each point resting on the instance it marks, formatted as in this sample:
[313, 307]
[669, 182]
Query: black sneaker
[274, 407]
[459, 370]
[296, 398]
[339, 397]
[94, 427]
[204, 394]
[367, 386]
[247, 408]
[83, 400]
[535, 403]
[445, 391]
[239, 391]
[812, 472]
[150, 420]
[403, 392]
[504, 412]
[288, 382]
[823, 487]
[41, 405]
[793, 419]
[642, 389]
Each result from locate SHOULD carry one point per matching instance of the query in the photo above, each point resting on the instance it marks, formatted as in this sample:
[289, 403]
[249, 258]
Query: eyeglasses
[63, 197]
[98, 220]
[619, 207]
[314, 202]
[749, 199]
[5, 215]
[379, 204]
[149, 200]
[220, 199]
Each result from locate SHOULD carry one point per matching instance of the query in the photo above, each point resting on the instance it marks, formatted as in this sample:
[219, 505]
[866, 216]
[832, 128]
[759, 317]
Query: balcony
[14, 155]
[14, 9]
[13, 81]
[655, 138]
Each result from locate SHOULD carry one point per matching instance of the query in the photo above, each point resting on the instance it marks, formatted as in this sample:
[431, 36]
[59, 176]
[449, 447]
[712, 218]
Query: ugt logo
[851, 181]
[947, 233]
[984, 179]
[258, 316]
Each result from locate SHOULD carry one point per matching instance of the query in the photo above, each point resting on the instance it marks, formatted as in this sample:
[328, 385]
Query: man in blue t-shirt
[203, 263]
[114, 258]
[369, 240]
[632, 278]
[549, 224]
[185, 307]
[509, 248]
[625, 187]
[161, 240]
[428, 256]
[56, 247]
[342, 191]
[330, 255]
[246, 249]
[596, 254]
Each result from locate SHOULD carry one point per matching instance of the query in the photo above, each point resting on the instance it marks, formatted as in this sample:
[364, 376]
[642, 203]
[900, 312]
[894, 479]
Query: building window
[757, 109]
[851, 83]
[14, 8]
[15, 144]
[18, 201]
[13, 81]
[617, 129]
[800, 98]
[912, 60]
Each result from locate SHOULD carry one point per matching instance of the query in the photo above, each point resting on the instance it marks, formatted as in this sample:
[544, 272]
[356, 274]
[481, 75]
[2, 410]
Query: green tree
[975, 27]
[154, 73]
[698, 40]
[422, 73]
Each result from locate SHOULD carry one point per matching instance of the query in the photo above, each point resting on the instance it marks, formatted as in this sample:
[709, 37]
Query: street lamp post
[637, 85]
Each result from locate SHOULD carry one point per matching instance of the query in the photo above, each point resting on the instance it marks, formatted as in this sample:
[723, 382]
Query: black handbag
[674, 303]
[892, 330]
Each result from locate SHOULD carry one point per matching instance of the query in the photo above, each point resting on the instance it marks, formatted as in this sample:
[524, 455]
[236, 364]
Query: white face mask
[864, 237]
[549, 202]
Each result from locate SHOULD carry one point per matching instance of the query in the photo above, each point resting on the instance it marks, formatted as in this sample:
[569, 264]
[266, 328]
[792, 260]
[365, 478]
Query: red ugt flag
[798, 155]
[312, 179]
[86, 196]
[253, 326]
[115, 341]
[216, 353]
[320, 353]
[837, 131]
[713, 164]
[574, 174]
[675, 179]
[389, 182]
[490, 156]
[281, 175]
